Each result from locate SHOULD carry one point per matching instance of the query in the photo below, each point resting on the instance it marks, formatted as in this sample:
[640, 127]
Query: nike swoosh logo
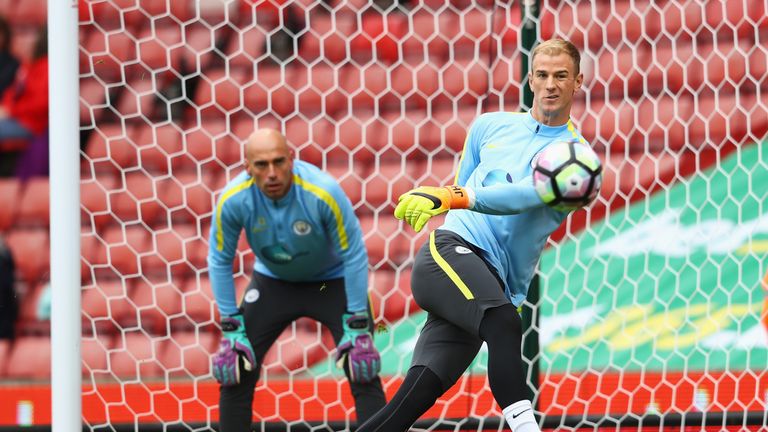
[435, 202]
[514, 416]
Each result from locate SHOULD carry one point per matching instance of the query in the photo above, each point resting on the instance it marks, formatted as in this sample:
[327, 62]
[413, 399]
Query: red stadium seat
[351, 180]
[757, 64]
[574, 21]
[115, 15]
[161, 147]
[34, 209]
[267, 91]
[682, 20]
[124, 247]
[505, 79]
[382, 240]
[309, 138]
[465, 81]
[387, 181]
[598, 124]
[6, 7]
[452, 126]
[317, 89]
[475, 32]
[30, 12]
[438, 171]
[414, 84]
[199, 304]
[10, 190]
[182, 11]
[718, 119]
[5, 353]
[30, 358]
[381, 282]
[159, 47]
[108, 53]
[187, 354]
[134, 357]
[172, 252]
[159, 303]
[188, 197]
[738, 17]
[617, 73]
[136, 200]
[210, 143]
[93, 101]
[94, 355]
[93, 255]
[626, 21]
[366, 87]
[411, 131]
[757, 113]
[221, 89]
[356, 138]
[94, 201]
[30, 253]
[661, 122]
[723, 63]
[298, 349]
[108, 305]
[110, 149]
[215, 13]
[28, 302]
[393, 295]
[198, 145]
[378, 38]
[640, 172]
[137, 99]
[301, 135]
[671, 68]
[198, 49]
[327, 36]
[246, 47]
[424, 38]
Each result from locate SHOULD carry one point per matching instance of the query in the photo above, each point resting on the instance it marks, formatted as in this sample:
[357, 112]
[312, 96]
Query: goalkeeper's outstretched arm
[419, 205]
[506, 199]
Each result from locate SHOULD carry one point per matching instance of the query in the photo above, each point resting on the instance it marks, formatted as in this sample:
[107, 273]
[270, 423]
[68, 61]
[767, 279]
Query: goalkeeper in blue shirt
[474, 271]
[311, 262]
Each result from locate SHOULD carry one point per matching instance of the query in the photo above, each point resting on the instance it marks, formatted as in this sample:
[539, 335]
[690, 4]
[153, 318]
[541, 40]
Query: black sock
[501, 329]
[419, 391]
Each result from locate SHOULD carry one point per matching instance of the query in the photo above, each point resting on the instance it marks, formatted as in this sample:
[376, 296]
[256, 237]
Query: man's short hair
[553, 47]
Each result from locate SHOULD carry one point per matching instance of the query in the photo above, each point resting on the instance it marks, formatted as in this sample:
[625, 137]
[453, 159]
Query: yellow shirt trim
[327, 198]
[227, 195]
[447, 268]
[572, 130]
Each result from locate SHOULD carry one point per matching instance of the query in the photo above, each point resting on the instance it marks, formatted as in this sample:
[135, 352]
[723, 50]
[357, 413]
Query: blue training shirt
[508, 220]
[311, 234]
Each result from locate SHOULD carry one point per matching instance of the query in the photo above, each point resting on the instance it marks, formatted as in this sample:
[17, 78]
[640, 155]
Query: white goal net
[651, 300]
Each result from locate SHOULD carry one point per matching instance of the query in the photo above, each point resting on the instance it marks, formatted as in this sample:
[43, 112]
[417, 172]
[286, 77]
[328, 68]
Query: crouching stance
[311, 262]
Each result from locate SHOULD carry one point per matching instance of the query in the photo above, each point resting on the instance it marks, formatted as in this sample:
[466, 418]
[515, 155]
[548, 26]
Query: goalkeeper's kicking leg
[422, 387]
[467, 306]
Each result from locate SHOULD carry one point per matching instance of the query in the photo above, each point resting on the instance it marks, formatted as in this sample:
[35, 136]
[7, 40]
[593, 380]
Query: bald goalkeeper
[311, 262]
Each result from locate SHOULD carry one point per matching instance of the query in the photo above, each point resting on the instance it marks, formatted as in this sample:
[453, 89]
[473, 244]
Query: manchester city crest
[301, 227]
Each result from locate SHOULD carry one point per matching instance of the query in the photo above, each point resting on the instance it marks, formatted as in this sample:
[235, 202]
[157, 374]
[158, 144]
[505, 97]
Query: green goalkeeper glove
[418, 205]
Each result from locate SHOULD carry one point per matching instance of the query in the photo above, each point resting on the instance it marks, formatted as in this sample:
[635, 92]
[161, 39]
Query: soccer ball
[567, 175]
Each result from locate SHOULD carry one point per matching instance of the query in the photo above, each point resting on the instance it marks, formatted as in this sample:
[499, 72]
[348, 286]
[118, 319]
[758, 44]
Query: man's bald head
[266, 140]
[269, 161]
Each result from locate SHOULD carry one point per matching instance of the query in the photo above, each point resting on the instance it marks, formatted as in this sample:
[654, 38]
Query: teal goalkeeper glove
[418, 205]
[234, 349]
[356, 347]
